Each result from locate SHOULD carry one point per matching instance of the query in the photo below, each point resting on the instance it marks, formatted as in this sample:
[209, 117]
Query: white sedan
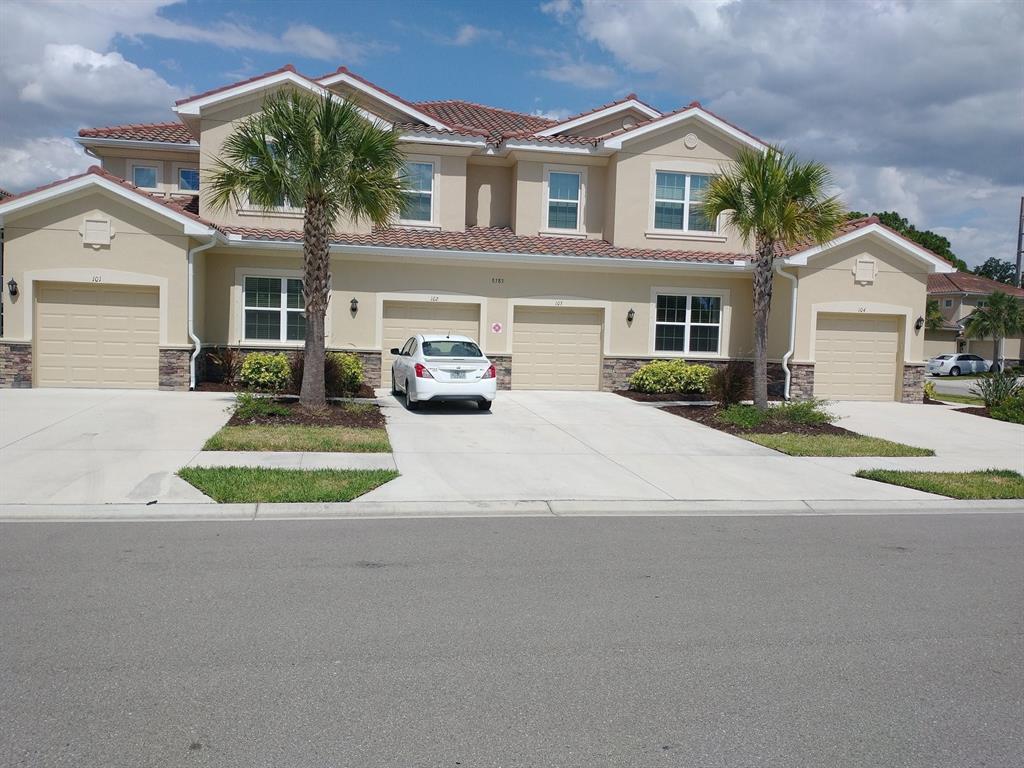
[954, 365]
[436, 367]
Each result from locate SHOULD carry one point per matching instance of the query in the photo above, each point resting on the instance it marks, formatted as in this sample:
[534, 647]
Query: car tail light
[490, 373]
[422, 372]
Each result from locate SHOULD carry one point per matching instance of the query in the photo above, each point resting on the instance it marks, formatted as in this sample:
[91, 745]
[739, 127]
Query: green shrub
[266, 371]
[802, 412]
[929, 391]
[1011, 409]
[250, 406]
[744, 416]
[343, 374]
[730, 384]
[994, 388]
[661, 376]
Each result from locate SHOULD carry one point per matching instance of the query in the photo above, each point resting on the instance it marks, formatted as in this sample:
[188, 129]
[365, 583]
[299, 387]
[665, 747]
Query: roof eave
[163, 146]
[937, 263]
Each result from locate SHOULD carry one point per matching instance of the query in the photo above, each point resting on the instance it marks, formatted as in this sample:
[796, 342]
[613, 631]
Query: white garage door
[556, 348]
[405, 319]
[90, 335]
[856, 357]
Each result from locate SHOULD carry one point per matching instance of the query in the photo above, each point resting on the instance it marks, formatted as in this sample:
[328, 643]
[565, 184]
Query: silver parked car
[954, 365]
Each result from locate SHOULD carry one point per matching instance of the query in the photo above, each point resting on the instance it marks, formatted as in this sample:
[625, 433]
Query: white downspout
[191, 310]
[792, 325]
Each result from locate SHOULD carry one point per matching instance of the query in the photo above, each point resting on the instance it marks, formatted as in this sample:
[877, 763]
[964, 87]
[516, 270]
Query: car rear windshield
[451, 348]
[943, 357]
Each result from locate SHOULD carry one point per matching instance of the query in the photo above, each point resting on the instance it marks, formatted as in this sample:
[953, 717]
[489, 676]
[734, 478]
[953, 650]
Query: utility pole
[1020, 241]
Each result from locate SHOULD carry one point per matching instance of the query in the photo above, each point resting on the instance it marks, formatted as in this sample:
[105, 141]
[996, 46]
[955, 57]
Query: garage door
[556, 348]
[405, 319]
[856, 357]
[90, 335]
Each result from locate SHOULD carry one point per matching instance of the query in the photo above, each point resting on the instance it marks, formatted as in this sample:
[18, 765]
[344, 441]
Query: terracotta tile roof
[178, 206]
[623, 100]
[254, 78]
[423, 128]
[5, 194]
[175, 133]
[666, 115]
[495, 121]
[964, 282]
[492, 239]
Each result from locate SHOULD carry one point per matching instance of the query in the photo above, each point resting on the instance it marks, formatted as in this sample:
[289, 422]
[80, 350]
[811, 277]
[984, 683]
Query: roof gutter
[191, 309]
[163, 146]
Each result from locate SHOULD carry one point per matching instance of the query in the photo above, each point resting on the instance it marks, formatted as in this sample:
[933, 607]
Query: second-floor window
[188, 179]
[679, 202]
[563, 201]
[419, 193]
[273, 309]
[145, 176]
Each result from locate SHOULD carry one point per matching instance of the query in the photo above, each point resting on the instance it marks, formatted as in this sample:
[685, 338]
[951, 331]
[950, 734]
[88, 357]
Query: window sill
[283, 214]
[271, 344]
[569, 235]
[671, 234]
[656, 355]
[424, 225]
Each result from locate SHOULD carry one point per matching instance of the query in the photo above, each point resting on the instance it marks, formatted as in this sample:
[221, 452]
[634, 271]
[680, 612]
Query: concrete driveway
[102, 446]
[592, 446]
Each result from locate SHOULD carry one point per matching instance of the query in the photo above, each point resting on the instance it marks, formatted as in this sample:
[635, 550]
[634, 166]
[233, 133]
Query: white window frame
[948, 303]
[688, 168]
[283, 310]
[435, 189]
[723, 323]
[157, 165]
[178, 168]
[580, 230]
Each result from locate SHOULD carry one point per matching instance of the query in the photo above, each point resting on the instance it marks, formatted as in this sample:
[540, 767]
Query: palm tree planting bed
[708, 415]
[366, 415]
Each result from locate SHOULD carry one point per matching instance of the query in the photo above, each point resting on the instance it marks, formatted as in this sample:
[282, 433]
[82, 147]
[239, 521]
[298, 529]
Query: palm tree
[1000, 317]
[320, 152]
[933, 317]
[777, 202]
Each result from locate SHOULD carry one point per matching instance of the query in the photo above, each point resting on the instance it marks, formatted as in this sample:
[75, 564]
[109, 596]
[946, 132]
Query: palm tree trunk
[316, 278]
[763, 279]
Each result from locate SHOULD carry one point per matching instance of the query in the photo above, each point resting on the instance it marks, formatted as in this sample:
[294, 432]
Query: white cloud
[560, 9]
[34, 162]
[552, 114]
[915, 105]
[467, 34]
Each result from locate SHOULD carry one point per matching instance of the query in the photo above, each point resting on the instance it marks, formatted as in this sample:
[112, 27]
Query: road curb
[460, 509]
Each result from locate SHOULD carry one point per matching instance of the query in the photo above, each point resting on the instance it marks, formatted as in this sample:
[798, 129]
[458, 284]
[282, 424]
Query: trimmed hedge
[660, 376]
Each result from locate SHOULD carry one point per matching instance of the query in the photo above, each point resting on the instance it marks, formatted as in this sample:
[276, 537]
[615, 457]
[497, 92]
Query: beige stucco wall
[488, 195]
[939, 343]
[601, 127]
[119, 161]
[217, 124]
[44, 244]
[499, 288]
[531, 202]
[827, 284]
[634, 168]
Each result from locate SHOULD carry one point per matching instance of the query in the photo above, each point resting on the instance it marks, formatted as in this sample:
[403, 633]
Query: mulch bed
[335, 415]
[661, 397]
[219, 386]
[929, 401]
[978, 410]
[708, 416]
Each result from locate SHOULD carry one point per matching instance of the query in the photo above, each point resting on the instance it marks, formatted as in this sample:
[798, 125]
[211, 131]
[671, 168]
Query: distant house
[4, 194]
[959, 294]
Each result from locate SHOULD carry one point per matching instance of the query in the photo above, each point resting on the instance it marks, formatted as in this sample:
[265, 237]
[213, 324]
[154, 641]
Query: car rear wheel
[484, 405]
[411, 404]
[954, 371]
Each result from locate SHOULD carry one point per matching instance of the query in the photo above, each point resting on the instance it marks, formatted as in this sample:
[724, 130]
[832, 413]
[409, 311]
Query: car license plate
[457, 374]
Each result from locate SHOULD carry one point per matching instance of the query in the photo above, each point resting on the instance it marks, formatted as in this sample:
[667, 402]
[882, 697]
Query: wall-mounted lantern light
[919, 324]
[12, 287]
[354, 305]
[630, 315]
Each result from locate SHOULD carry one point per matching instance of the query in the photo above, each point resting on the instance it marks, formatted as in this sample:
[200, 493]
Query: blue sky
[915, 105]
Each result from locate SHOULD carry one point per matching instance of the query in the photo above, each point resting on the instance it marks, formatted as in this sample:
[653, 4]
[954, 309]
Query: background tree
[1000, 317]
[933, 317]
[997, 269]
[777, 202]
[318, 152]
[933, 241]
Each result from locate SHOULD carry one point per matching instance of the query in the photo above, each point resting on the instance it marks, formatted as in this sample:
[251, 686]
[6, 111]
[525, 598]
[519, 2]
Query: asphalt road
[811, 641]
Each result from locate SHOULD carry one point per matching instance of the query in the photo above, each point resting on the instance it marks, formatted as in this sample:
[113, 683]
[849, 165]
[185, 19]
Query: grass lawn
[300, 437]
[987, 484]
[964, 399]
[835, 445]
[247, 485]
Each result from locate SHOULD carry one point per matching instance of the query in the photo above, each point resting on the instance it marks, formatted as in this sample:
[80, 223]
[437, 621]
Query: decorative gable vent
[96, 232]
[865, 270]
